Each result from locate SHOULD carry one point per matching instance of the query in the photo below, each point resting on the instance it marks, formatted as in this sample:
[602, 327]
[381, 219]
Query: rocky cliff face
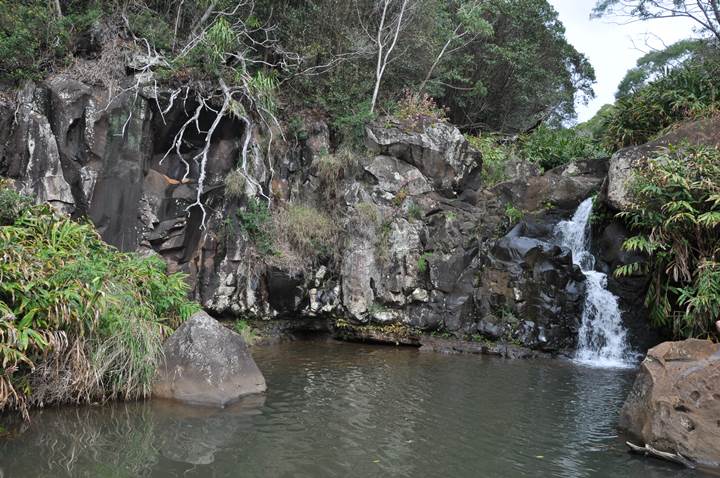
[423, 242]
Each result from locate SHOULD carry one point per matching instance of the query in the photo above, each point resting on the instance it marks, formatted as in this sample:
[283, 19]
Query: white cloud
[609, 45]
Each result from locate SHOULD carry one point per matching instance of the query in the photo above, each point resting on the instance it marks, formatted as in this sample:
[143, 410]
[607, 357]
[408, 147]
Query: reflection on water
[343, 410]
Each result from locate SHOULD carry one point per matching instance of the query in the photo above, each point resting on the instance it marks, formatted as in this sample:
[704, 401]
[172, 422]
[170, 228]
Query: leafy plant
[255, 221]
[415, 212]
[689, 91]
[552, 147]
[494, 157]
[422, 263]
[513, 214]
[676, 217]
[248, 334]
[79, 321]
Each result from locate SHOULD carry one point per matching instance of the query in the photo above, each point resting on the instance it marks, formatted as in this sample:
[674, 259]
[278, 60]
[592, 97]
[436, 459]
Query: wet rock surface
[424, 240]
[674, 405]
[207, 364]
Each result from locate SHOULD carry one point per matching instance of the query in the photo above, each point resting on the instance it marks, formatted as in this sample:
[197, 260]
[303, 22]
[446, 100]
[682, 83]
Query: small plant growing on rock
[418, 109]
[513, 214]
[400, 197]
[422, 263]
[249, 335]
[234, 184]
[254, 220]
[415, 212]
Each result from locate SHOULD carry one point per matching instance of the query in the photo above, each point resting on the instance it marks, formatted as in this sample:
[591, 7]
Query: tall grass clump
[79, 321]
[676, 218]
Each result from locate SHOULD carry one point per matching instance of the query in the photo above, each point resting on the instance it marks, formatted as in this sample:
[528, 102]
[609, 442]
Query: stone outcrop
[423, 245]
[623, 163]
[207, 364]
[530, 291]
[674, 405]
[563, 187]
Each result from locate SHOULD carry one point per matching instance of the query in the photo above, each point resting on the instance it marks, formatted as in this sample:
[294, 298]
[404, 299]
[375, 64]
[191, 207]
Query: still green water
[348, 410]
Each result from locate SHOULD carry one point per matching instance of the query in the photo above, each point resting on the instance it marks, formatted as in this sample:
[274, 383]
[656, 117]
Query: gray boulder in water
[207, 364]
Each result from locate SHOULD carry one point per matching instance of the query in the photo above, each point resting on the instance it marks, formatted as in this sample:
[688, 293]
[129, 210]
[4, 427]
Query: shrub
[248, 334]
[255, 221]
[415, 212]
[513, 214]
[494, 157]
[12, 204]
[304, 234]
[79, 321]
[418, 109]
[676, 215]
[689, 91]
[235, 184]
[422, 263]
[552, 147]
[32, 39]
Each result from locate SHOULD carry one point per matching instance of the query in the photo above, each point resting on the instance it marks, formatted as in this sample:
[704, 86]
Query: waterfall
[602, 338]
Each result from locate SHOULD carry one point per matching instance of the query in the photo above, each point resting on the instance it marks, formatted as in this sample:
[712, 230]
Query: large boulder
[626, 161]
[562, 187]
[207, 364]
[439, 150]
[674, 405]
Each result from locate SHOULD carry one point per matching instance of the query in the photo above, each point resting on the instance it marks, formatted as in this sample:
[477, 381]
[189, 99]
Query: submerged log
[663, 455]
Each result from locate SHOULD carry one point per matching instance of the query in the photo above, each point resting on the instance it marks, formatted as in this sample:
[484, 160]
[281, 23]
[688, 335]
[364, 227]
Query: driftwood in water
[648, 450]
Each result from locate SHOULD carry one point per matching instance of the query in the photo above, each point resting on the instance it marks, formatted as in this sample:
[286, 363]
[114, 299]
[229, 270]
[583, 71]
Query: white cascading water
[602, 338]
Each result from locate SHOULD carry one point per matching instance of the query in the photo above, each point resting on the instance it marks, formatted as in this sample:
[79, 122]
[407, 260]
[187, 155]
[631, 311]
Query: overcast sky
[609, 46]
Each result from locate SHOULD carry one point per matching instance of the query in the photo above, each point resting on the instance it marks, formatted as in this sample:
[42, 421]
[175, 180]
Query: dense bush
[552, 147]
[689, 91]
[79, 321]
[494, 157]
[676, 216]
[33, 38]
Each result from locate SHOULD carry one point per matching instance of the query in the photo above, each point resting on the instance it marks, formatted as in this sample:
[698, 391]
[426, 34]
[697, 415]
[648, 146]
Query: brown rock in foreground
[207, 364]
[674, 405]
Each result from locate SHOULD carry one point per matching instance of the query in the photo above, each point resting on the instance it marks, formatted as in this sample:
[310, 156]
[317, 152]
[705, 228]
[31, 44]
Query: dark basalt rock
[424, 248]
[531, 292]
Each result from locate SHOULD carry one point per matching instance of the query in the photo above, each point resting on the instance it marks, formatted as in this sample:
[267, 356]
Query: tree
[706, 13]
[470, 26]
[388, 32]
[655, 63]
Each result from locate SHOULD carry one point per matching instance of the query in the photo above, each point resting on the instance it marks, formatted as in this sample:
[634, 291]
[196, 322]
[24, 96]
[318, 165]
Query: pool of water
[350, 410]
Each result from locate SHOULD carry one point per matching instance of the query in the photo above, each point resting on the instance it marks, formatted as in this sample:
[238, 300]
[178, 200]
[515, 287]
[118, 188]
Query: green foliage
[494, 157]
[488, 78]
[676, 216]
[255, 220]
[552, 147]
[689, 91]
[513, 214]
[415, 212]
[79, 321]
[248, 334]
[422, 263]
[658, 62]
[12, 204]
[33, 39]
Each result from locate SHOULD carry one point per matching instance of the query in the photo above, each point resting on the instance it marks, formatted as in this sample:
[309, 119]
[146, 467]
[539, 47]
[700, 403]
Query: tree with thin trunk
[705, 13]
[469, 28]
[386, 39]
